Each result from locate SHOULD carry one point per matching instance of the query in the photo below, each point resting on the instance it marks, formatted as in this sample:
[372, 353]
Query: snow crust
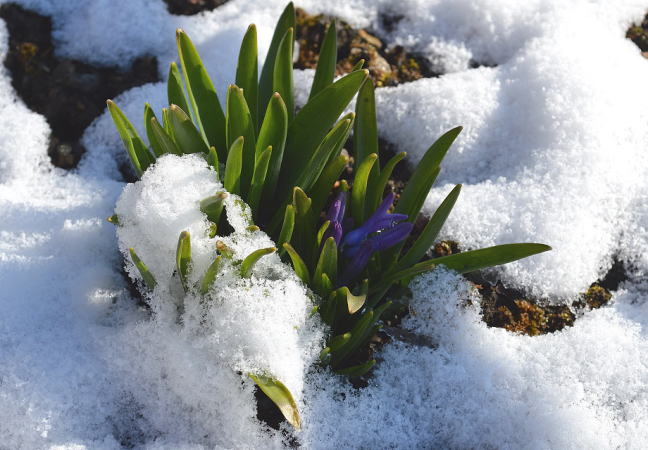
[552, 151]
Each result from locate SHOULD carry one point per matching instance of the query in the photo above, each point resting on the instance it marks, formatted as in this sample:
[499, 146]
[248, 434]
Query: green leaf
[233, 167]
[469, 261]
[282, 76]
[365, 129]
[114, 219]
[280, 396]
[183, 259]
[273, 132]
[358, 65]
[166, 123]
[357, 370]
[161, 138]
[315, 119]
[327, 264]
[186, 136]
[251, 259]
[247, 71]
[258, 179]
[147, 276]
[430, 232]
[334, 344]
[321, 231]
[418, 186]
[212, 160]
[359, 190]
[212, 206]
[239, 123]
[325, 152]
[374, 197]
[137, 150]
[175, 91]
[287, 228]
[148, 115]
[210, 275]
[356, 302]
[360, 332]
[325, 71]
[298, 263]
[320, 191]
[202, 94]
[286, 21]
[304, 225]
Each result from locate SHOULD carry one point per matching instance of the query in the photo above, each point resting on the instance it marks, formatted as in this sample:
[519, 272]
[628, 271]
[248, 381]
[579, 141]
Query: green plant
[287, 165]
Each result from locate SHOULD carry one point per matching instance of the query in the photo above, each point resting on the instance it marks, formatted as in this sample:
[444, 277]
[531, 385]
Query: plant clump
[344, 239]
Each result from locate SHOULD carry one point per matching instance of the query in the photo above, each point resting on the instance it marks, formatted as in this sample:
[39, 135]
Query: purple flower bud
[335, 215]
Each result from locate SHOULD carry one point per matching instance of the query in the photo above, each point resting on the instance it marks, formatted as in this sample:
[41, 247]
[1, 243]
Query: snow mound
[259, 325]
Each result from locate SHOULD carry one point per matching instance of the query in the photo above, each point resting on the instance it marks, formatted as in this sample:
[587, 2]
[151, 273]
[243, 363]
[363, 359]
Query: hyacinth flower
[335, 216]
[380, 232]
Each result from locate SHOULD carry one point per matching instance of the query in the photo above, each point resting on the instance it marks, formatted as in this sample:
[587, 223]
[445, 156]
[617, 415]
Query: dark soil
[639, 35]
[388, 66]
[191, 7]
[69, 93]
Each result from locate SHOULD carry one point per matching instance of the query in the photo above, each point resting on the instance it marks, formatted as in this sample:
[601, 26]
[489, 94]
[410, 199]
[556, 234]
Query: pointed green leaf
[273, 132]
[325, 71]
[210, 275]
[327, 263]
[287, 228]
[137, 150]
[360, 332]
[186, 136]
[162, 139]
[202, 94]
[430, 232]
[359, 190]
[251, 259]
[280, 396]
[469, 261]
[321, 231]
[212, 206]
[315, 119]
[334, 344]
[233, 167]
[239, 123]
[374, 196]
[365, 129]
[418, 186]
[183, 259]
[147, 276]
[212, 160]
[298, 263]
[247, 71]
[258, 179]
[357, 370]
[286, 21]
[356, 302]
[175, 90]
[358, 65]
[282, 76]
[148, 115]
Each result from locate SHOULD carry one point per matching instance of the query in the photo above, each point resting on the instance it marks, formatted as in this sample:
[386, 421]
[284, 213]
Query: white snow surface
[552, 151]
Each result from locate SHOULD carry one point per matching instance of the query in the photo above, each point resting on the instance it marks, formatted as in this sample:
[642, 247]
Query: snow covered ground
[553, 151]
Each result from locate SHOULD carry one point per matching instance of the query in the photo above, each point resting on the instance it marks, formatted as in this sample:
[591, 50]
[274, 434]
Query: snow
[552, 151]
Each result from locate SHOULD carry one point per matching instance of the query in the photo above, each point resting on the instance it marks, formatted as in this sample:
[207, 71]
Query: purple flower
[380, 232]
[335, 215]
